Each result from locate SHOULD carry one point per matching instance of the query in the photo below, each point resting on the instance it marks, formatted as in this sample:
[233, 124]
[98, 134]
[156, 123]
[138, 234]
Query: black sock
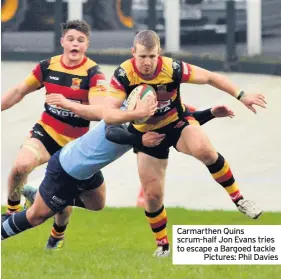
[15, 224]
[58, 231]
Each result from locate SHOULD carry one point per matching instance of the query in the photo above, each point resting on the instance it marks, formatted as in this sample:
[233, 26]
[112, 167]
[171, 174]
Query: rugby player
[182, 130]
[80, 80]
[73, 173]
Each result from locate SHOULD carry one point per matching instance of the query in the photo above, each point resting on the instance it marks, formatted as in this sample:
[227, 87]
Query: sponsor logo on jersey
[54, 78]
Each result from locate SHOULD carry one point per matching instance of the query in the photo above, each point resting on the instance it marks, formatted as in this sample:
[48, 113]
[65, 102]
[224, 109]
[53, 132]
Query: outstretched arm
[16, 94]
[204, 116]
[32, 83]
[202, 76]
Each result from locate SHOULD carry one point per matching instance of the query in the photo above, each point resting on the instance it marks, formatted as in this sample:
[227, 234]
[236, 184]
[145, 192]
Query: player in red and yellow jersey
[75, 77]
[172, 119]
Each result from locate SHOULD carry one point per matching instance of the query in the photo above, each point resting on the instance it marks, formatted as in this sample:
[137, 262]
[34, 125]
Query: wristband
[240, 95]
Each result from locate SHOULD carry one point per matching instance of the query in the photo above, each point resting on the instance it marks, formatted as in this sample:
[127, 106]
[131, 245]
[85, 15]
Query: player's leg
[57, 234]
[103, 152]
[202, 149]
[94, 199]
[19, 222]
[152, 176]
[140, 197]
[32, 154]
[61, 219]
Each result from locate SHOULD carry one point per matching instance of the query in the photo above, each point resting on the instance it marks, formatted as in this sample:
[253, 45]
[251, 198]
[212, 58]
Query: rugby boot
[249, 208]
[54, 243]
[29, 193]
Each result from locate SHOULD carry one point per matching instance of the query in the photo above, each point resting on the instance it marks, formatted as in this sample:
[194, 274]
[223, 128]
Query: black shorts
[38, 132]
[58, 189]
[173, 133]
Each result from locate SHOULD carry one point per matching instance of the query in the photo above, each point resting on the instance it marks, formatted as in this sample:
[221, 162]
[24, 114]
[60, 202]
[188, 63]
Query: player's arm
[91, 112]
[203, 116]
[197, 75]
[202, 76]
[113, 115]
[96, 96]
[117, 94]
[120, 134]
[16, 94]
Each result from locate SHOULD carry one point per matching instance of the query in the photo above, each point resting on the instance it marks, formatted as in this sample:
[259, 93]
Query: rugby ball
[145, 91]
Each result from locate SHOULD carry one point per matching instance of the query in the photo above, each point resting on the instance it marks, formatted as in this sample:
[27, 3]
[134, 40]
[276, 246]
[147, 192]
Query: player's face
[75, 44]
[146, 59]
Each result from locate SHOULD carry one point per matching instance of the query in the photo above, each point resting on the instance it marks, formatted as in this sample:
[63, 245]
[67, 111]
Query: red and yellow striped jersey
[169, 74]
[78, 83]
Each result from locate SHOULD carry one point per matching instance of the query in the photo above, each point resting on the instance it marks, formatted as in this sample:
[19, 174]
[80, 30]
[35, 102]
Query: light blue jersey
[90, 153]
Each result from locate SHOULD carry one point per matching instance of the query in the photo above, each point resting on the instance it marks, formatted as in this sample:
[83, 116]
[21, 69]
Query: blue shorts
[58, 189]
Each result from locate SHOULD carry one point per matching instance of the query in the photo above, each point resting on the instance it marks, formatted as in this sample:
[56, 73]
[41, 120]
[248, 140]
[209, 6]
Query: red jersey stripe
[63, 128]
[67, 92]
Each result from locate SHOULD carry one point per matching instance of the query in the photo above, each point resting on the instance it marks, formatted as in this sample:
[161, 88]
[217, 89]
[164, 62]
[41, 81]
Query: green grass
[118, 243]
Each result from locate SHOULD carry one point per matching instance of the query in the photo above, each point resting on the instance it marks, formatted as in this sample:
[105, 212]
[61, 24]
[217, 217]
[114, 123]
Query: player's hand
[222, 111]
[253, 99]
[58, 100]
[152, 139]
[146, 107]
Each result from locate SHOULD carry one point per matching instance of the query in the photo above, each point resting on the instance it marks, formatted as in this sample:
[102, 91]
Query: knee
[96, 205]
[207, 156]
[21, 169]
[153, 196]
[36, 218]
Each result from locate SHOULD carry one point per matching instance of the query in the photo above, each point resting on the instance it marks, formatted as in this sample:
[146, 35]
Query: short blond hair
[147, 38]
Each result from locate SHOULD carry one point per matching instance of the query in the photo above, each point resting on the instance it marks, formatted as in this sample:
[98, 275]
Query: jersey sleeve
[119, 84]
[35, 78]
[97, 86]
[182, 71]
[186, 72]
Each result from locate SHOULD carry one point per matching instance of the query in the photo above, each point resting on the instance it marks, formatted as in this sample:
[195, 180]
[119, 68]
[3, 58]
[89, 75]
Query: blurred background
[214, 29]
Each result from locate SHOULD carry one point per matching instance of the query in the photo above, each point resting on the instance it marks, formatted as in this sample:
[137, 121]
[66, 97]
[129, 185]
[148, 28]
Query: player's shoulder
[124, 70]
[45, 63]
[55, 59]
[90, 63]
[172, 63]
[93, 67]
[171, 67]
[126, 66]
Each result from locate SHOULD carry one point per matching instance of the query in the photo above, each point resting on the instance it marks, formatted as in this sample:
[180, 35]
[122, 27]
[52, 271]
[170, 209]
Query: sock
[13, 206]
[15, 224]
[158, 222]
[58, 231]
[221, 172]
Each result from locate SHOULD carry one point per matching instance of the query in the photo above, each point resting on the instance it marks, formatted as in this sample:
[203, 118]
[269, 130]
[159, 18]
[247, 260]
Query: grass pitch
[118, 243]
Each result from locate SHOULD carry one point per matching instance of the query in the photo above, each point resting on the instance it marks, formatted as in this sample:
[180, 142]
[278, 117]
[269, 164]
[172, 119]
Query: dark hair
[79, 25]
[147, 38]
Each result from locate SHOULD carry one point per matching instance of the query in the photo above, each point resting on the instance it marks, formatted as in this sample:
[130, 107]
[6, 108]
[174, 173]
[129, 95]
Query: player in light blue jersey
[73, 176]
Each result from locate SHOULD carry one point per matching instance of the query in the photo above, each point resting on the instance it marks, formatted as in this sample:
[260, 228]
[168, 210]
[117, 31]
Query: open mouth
[74, 51]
